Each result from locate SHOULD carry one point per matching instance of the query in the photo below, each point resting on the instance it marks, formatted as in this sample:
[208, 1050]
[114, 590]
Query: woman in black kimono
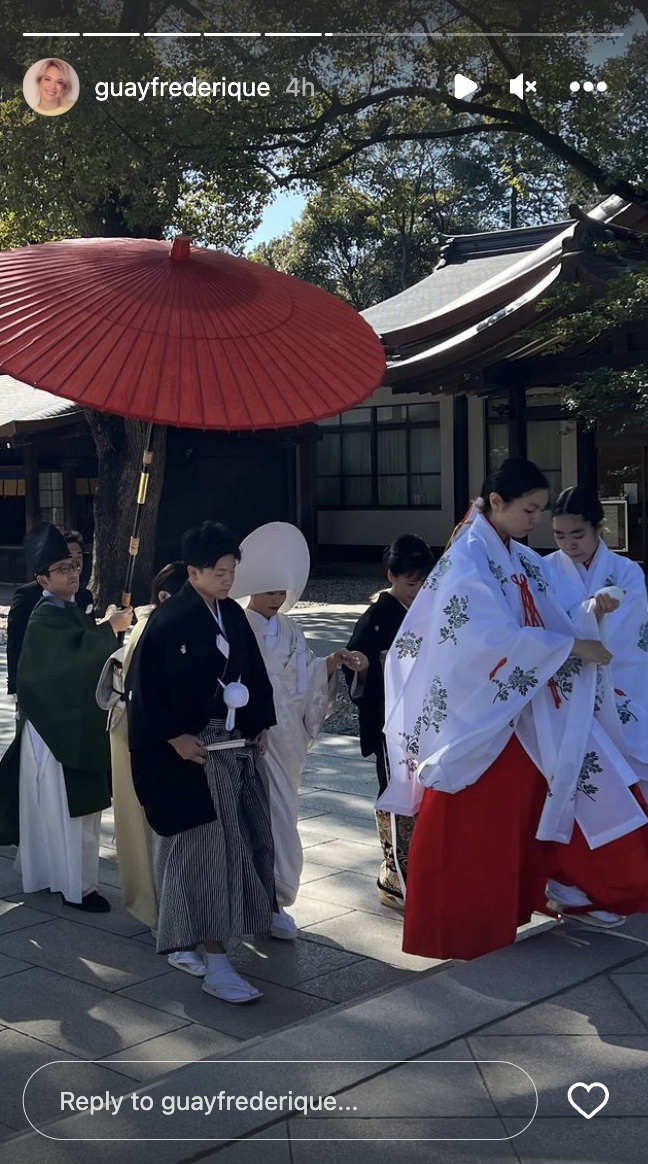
[408, 562]
[214, 863]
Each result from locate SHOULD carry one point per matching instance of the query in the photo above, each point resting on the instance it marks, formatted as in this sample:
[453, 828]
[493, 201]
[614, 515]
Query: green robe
[62, 657]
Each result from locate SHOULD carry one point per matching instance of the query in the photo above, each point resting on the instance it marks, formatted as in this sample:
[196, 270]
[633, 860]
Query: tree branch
[493, 41]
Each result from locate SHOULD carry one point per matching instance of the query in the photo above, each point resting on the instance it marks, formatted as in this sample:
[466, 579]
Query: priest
[55, 777]
[26, 597]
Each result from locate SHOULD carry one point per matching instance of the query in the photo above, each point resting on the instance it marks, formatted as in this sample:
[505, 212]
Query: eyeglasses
[73, 568]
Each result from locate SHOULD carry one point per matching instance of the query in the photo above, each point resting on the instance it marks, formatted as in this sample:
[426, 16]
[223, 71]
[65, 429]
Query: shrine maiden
[601, 589]
[491, 728]
[582, 567]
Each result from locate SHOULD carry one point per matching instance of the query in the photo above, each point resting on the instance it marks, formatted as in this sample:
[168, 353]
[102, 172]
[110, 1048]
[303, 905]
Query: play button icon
[463, 86]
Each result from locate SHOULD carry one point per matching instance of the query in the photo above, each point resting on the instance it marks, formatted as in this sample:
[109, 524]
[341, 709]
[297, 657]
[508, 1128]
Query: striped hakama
[216, 881]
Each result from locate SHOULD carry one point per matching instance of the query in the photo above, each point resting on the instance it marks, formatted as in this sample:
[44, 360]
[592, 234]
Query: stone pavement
[343, 1008]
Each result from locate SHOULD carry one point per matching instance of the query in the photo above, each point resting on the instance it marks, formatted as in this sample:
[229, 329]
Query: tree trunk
[120, 444]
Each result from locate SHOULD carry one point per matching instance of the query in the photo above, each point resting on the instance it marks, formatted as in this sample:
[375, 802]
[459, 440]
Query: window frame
[374, 427]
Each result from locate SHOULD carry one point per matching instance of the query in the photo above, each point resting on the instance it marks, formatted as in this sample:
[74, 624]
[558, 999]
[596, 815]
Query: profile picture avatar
[50, 87]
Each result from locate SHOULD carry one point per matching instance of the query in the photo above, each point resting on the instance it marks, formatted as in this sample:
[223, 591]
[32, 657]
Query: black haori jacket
[173, 687]
[373, 633]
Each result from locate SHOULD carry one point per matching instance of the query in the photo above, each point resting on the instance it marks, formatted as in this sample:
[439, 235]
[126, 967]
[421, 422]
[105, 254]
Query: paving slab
[420, 1091]
[76, 951]
[555, 1063]
[640, 966]
[10, 881]
[343, 854]
[372, 936]
[342, 804]
[287, 963]
[78, 1019]
[118, 921]
[26, 1056]
[308, 910]
[634, 989]
[309, 811]
[531, 971]
[492, 1146]
[359, 779]
[361, 978]
[361, 829]
[14, 916]
[11, 966]
[181, 995]
[354, 890]
[184, 1045]
[313, 871]
[308, 840]
[579, 1141]
[318, 829]
[597, 1007]
[34, 1149]
[109, 872]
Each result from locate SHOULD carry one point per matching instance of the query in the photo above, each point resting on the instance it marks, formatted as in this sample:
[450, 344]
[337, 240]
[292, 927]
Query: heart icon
[588, 1087]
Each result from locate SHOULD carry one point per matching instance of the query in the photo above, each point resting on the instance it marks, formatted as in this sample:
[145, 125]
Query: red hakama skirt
[476, 871]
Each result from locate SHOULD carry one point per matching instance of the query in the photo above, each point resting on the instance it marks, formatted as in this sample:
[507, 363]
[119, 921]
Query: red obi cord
[533, 618]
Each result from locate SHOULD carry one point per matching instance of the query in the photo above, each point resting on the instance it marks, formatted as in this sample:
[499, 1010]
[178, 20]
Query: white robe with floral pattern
[624, 632]
[467, 670]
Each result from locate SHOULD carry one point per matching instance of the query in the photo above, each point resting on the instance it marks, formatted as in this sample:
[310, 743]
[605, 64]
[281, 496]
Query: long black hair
[515, 478]
[408, 554]
[579, 502]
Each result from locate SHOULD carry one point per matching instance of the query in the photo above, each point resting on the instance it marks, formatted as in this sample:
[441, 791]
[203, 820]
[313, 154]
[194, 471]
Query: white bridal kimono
[303, 697]
[624, 632]
[485, 652]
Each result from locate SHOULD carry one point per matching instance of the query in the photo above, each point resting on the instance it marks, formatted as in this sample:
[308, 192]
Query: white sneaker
[191, 961]
[284, 926]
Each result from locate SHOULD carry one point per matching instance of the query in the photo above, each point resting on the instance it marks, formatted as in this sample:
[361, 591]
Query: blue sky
[279, 216]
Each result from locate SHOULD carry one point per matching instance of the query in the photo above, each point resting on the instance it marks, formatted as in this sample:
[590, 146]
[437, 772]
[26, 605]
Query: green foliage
[619, 398]
[579, 314]
[378, 223]
[148, 167]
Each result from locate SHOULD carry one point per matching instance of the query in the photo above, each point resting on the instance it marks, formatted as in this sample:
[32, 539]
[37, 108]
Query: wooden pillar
[307, 485]
[517, 421]
[69, 494]
[586, 459]
[32, 494]
[461, 453]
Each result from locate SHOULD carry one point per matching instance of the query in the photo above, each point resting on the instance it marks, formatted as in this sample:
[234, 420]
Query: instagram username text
[156, 87]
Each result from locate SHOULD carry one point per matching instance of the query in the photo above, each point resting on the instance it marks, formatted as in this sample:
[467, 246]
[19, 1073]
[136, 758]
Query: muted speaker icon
[518, 87]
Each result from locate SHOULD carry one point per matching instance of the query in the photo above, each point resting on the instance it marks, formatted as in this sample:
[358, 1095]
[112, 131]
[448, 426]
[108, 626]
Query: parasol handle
[133, 547]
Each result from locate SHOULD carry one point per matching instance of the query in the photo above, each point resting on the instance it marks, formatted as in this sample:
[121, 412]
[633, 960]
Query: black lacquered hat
[43, 545]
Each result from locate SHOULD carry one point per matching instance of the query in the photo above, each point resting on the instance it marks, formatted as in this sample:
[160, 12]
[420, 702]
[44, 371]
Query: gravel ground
[340, 591]
[336, 591]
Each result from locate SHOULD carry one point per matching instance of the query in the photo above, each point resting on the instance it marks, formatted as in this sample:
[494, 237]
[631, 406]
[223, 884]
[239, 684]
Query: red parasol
[183, 336]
